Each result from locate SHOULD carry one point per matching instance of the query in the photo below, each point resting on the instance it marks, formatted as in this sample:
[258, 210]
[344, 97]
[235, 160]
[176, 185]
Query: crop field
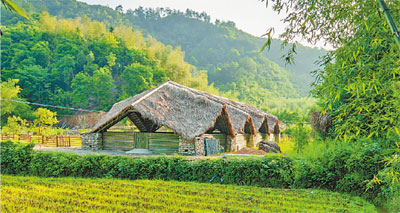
[34, 194]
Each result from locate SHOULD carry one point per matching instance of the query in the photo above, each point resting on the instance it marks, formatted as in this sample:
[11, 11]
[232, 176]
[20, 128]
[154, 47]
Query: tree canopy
[359, 81]
[219, 47]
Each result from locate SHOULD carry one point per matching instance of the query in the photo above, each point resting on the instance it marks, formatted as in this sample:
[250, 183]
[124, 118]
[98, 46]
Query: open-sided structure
[199, 120]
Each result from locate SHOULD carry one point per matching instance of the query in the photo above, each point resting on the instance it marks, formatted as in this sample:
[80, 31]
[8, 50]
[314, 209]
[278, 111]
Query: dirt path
[80, 151]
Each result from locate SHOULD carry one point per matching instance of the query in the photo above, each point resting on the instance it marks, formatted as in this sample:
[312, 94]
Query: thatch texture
[86, 120]
[188, 112]
[257, 115]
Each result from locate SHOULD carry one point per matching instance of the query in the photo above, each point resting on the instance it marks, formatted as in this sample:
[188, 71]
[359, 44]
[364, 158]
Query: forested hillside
[228, 57]
[78, 62]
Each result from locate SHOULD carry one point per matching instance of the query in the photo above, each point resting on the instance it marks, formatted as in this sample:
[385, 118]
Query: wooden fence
[48, 141]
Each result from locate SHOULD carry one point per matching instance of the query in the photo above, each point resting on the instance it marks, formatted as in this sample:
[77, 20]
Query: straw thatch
[258, 116]
[188, 112]
[86, 120]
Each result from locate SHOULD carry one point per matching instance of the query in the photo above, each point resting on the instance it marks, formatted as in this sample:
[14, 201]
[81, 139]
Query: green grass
[34, 194]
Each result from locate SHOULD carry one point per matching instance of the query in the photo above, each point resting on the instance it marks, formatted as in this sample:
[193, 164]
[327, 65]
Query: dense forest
[78, 62]
[217, 54]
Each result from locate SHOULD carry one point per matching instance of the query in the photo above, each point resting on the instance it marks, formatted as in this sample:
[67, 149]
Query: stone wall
[199, 146]
[186, 147]
[92, 141]
[235, 143]
[261, 137]
[238, 142]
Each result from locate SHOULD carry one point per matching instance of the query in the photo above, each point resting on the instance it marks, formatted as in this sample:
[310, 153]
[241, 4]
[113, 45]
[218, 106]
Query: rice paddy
[35, 194]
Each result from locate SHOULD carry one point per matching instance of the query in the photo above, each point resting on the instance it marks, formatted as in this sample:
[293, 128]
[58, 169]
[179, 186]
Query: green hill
[231, 57]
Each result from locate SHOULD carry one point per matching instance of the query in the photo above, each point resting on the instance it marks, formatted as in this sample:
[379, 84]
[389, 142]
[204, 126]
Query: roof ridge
[150, 93]
[213, 97]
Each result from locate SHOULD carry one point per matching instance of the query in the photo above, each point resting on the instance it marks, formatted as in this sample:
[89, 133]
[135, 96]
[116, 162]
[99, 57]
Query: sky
[251, 16]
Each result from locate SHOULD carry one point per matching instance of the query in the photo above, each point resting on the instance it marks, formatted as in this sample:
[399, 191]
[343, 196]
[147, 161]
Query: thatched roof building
[188, 112]
[86, 120]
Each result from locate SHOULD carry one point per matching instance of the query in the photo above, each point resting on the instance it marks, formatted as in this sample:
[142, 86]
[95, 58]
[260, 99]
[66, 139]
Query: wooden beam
[138, 121]
[113, 122]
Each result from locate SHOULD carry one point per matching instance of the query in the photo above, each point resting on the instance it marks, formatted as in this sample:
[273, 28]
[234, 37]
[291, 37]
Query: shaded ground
[79, 151]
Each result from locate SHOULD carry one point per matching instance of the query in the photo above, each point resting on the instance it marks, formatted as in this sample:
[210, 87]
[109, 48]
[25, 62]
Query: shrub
[344, 167]
[270, 171]
[336, 166]
[16, 157]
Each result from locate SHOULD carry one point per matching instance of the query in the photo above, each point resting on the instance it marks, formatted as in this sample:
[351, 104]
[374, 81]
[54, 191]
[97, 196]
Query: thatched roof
[188, 112]
[86, 120]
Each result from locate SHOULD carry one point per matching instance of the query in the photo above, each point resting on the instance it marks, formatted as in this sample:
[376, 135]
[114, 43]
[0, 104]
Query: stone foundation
[235, 143]
[186, 147]
[92, 141]
[199, 146]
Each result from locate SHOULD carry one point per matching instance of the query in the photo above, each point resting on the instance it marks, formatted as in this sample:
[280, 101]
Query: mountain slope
[230, 56]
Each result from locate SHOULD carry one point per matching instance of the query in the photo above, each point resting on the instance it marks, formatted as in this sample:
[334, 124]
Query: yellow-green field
[34, 194]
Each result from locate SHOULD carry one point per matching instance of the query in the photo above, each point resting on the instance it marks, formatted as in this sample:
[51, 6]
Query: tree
[10, 91]
[137, 78]
[119, 9]
[81, 90]
[359, 80]
[45, 119]
[16, 125]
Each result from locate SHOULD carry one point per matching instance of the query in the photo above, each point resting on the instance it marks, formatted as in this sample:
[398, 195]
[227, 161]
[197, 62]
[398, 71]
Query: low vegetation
[94, 195]
[358, 169]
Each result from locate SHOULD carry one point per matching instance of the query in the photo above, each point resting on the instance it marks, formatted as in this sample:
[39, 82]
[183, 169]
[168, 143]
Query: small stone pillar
[199, 146]
[92, 141]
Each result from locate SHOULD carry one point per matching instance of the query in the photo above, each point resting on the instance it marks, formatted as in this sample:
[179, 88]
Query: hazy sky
[251, 16]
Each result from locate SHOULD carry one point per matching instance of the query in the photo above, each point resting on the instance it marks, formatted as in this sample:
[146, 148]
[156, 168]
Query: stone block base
[186, 147]
[92, 141]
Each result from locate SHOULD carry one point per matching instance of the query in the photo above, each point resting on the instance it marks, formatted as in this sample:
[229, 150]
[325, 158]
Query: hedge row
[19, 159]
[345, 169]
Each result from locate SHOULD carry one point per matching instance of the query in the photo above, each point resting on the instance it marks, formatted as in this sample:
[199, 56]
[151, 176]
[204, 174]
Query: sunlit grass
[34, 194]
[286, 144]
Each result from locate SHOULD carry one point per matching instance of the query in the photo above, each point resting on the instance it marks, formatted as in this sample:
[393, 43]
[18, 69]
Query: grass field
[34, 194]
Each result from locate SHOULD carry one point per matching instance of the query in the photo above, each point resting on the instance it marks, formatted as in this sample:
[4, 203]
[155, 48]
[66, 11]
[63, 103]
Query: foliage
[16, 125]
[235, 67]
[359, 80]
[13, 7]
[345, 167]
[336, 166]
[389, 178]
[16, 157]
[138, 78]
[77, 194]
[271, 171]
[301, 135]
[45, 119]
[77, 62]
[10, 91]
[358, 88]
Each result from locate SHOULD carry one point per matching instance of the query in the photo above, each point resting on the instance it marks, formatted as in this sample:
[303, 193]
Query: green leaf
[13, 7]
